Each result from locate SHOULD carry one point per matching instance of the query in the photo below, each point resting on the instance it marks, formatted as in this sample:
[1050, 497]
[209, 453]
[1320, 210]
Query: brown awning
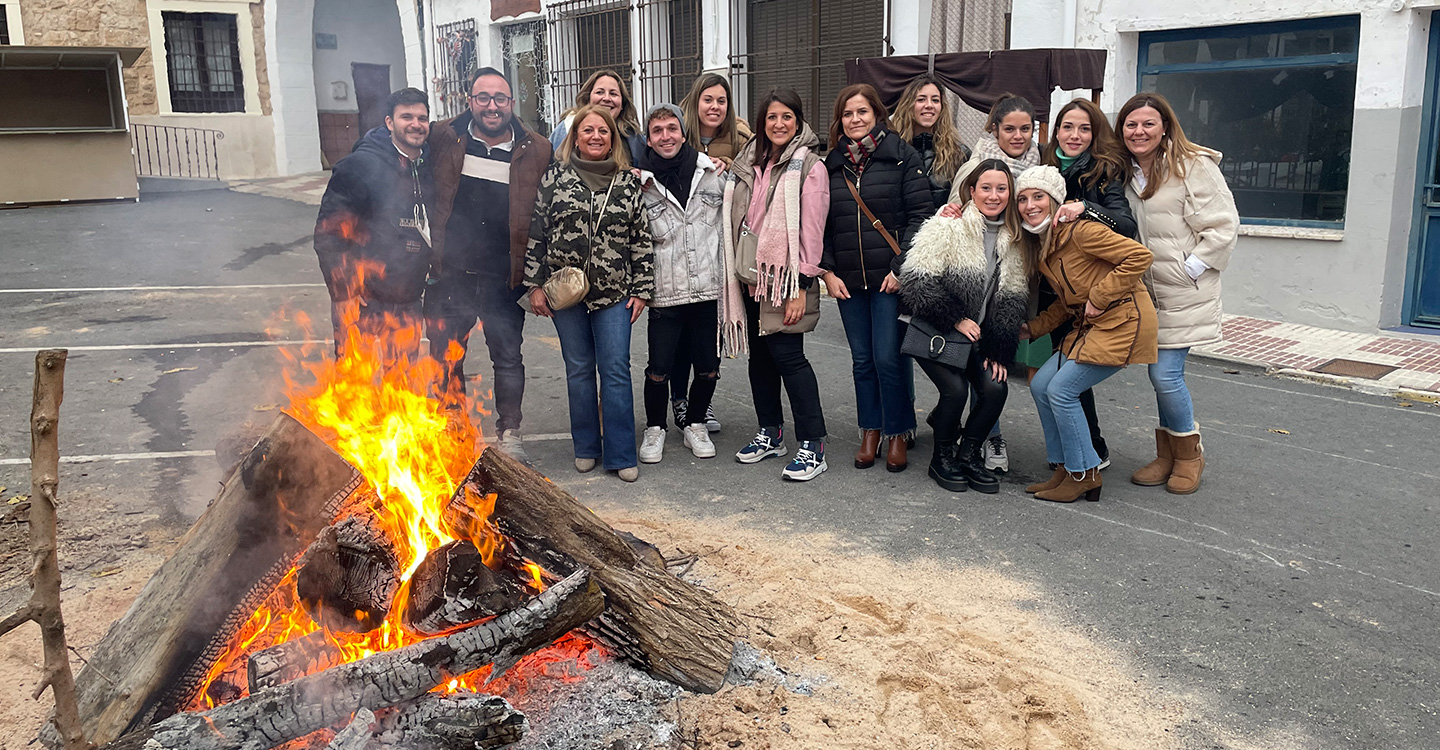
[979, 78]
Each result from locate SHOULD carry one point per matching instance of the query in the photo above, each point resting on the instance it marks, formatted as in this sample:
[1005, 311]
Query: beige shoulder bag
[567, 286]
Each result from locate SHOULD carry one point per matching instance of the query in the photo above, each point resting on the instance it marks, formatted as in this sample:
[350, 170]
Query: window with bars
[455, 55]
[802, 45]
[670, 50]
[4, 26]
[586, 36]
[202, 52]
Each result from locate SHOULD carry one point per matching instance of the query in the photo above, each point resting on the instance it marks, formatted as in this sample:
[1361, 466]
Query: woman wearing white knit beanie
[1099, 277]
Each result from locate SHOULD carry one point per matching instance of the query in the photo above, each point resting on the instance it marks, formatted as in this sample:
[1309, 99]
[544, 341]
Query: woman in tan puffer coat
[1187, 217]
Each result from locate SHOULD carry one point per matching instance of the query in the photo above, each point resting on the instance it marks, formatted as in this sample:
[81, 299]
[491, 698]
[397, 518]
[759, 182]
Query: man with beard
[487, 175]
[372, 234]
[683, 193]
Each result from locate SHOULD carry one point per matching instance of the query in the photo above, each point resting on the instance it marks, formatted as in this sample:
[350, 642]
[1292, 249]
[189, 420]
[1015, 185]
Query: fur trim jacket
[944, 280]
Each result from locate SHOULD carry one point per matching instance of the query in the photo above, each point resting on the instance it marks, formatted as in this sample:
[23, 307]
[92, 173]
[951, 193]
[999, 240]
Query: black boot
[972, 466]
[944, 469]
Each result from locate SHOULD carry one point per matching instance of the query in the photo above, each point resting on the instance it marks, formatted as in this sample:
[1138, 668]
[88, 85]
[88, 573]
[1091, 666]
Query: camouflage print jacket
[621, 260]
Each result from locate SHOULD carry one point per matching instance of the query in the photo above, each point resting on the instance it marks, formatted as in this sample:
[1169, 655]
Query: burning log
[453, 586]
[290, 660]
[348, 577]
[670, 628]
[154, 659]
[277, 715]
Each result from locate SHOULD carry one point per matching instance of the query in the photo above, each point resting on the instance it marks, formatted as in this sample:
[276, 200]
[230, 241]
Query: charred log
[670, 628]
[348, 576]
[155, 658]
[280, 714]
[357, 735]
[453, 586]
[289, 661]
[460, 721]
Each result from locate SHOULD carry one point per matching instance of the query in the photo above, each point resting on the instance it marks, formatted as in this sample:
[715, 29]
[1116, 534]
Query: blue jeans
[1056, 389]
[884, 378]
[598, 342]
[1177, 413]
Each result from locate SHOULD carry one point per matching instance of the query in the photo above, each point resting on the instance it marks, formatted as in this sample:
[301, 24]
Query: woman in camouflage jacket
[590, 215]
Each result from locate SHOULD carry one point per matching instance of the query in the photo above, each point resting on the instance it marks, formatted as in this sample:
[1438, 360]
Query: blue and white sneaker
[808, 463]
[769, 441]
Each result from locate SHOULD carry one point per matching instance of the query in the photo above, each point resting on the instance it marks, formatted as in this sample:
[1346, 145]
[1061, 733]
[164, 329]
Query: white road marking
[66, 290]
[114, 457]
[135, 347]
[547, 436]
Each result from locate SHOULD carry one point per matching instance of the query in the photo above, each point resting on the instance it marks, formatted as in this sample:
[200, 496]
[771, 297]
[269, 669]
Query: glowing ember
[372, 407]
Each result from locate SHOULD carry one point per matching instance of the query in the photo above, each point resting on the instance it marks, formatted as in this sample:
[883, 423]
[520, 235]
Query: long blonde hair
[617, 150]
[1175, 149]
[949, 152]
[629, 120]
[730, 128]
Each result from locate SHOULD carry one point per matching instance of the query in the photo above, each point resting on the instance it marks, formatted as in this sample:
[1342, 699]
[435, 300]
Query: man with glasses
[487, 173]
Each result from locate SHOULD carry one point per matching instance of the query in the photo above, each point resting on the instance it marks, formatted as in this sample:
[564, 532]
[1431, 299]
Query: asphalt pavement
[1290, 603]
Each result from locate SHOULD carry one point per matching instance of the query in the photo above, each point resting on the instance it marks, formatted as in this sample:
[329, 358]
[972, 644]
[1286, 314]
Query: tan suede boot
[1072, 489]
[1054, 481]
[1157, 472]
[1189, 456]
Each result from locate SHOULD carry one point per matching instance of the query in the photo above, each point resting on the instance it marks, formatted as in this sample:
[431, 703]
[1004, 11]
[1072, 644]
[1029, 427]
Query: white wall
[1352, 279]
[289, 47]
[366, 31]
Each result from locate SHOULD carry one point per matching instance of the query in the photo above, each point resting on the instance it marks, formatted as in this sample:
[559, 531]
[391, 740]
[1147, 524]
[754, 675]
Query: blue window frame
[1278, 99]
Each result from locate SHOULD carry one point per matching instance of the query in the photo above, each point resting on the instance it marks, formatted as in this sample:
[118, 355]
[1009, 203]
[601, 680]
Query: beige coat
[1196, 216]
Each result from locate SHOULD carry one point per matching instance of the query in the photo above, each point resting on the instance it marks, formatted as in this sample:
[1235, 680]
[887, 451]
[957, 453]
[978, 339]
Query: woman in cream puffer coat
[1187, 217]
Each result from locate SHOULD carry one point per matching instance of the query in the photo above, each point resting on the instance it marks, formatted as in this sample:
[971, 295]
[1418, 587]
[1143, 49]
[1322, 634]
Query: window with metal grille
[455, 58]
[669, 50]
[4, 26]
[586, 36]
[202, 53]
[1277, 99]
[802, 45]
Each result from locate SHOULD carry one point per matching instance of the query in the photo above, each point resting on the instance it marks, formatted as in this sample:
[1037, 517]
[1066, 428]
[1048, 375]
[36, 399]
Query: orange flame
[372, 405]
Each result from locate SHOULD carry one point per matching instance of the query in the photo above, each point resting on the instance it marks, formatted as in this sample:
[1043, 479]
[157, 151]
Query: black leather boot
[972, 466]
[944, 469]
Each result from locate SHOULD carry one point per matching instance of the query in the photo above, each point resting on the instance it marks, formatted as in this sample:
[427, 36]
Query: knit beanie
[1044, 177]
[672, 109]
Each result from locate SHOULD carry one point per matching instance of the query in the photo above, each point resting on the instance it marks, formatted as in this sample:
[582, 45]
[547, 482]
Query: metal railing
[670, 50]
[172, 151]
[455, 62]
[586, 36]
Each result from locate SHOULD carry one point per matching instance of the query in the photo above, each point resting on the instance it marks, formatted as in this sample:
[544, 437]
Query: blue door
[1423, 303]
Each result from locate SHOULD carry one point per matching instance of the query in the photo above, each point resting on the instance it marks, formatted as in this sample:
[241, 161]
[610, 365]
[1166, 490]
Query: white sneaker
[697, 439]
[512, 445]
[996, 457]
[652, 447]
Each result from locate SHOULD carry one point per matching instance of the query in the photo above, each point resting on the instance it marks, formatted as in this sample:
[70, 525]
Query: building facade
[1324, 111]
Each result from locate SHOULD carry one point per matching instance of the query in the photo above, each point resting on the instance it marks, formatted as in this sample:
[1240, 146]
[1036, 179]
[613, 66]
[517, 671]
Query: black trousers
[779, 359]
[452, 306]
[683, 331]
[954, 385]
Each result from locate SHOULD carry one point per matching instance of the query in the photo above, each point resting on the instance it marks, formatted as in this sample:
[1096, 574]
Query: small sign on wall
[326, 41]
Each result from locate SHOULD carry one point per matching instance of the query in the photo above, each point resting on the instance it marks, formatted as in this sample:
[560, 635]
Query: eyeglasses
[485, 99]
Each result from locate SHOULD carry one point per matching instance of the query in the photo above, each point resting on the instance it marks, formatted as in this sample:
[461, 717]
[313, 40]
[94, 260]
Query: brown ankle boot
[869, 446]
[1072, 489]
[1056, 477]
[1157, 472]
[1189, 463]
[895, 454]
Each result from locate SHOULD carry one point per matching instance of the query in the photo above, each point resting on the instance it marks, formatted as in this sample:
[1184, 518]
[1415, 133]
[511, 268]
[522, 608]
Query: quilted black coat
[896, 189]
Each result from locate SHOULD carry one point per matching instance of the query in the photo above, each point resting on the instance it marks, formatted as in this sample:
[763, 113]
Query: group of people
[1059, 264]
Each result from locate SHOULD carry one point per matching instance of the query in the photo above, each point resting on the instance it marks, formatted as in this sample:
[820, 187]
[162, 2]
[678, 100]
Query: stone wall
[97, 23]
[262, 69]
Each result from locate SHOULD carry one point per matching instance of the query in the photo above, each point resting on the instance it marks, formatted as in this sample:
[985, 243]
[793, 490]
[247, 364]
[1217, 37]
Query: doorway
[1422, 304]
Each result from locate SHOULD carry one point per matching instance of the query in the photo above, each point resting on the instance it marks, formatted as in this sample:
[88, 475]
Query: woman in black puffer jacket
[861, 266]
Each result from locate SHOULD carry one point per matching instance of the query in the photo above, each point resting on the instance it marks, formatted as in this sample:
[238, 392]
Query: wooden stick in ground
[670, 628]
[44, 606]
[277, 715]
[287, 488]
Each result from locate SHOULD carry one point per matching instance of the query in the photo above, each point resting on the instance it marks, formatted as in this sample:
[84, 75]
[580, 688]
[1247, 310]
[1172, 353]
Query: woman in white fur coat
[970, 274]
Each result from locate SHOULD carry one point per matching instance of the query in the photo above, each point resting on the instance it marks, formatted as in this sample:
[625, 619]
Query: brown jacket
[528, 161]
[725, 149]
[1087, 261]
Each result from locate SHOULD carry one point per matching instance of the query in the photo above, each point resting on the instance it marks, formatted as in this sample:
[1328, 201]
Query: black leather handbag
[924, 341]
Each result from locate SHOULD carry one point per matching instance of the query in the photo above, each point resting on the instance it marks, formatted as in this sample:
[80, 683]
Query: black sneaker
[1103, 451]
[808, 463]
[681, 407]
[711, 423]
[769, 441]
